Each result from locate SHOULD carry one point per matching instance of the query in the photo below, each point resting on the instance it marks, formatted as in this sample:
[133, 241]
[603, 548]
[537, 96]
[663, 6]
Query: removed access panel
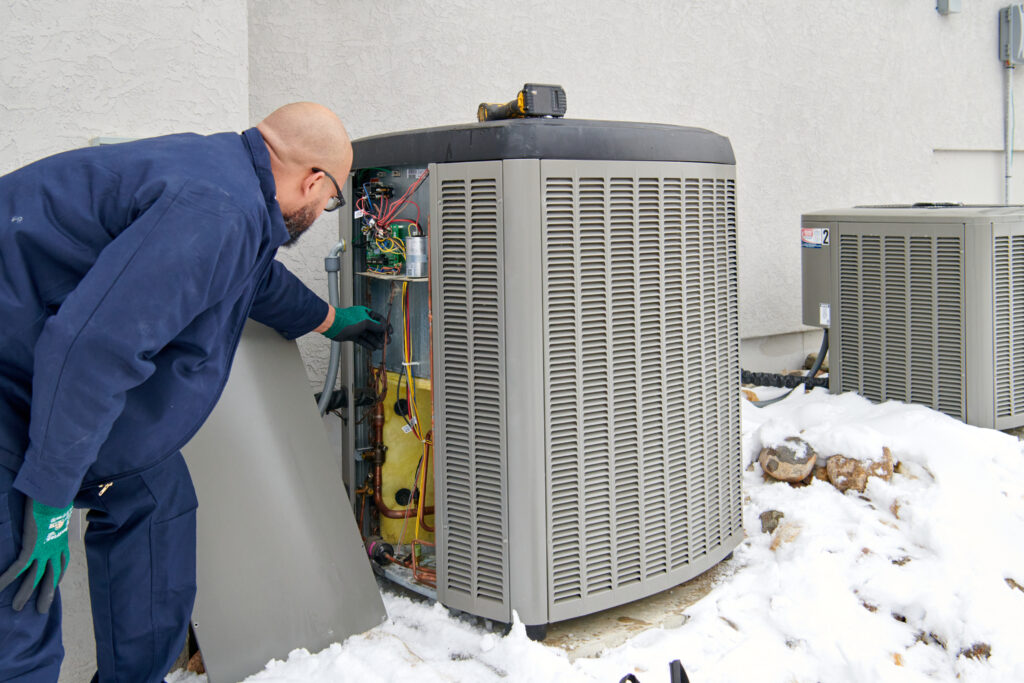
[280, 561]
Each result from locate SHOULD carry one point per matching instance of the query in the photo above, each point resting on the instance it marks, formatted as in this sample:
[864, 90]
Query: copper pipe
[427, 448]
[382, 507]
[427, 575]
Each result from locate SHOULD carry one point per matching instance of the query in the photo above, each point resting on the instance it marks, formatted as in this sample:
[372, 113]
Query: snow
[895, 584]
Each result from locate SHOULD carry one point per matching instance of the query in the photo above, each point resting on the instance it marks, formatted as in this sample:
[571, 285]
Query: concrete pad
[589, 635]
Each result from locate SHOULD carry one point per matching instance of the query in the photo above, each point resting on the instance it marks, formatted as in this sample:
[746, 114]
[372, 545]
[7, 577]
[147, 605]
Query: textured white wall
[827, 104]
[72, 71]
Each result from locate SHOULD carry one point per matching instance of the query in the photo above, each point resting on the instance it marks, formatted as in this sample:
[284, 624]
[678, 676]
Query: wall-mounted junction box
[1011, 34]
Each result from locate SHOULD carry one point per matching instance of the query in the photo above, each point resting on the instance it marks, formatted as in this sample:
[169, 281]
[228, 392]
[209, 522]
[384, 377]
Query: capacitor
[416, 256]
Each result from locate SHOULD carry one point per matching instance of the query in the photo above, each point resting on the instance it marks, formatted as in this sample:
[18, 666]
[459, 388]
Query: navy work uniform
[126, 275]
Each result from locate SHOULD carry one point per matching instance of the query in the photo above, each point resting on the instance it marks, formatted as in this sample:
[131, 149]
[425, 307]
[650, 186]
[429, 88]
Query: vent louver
[471, 426]
[901, 318]
[641, 360]
[1008, 280]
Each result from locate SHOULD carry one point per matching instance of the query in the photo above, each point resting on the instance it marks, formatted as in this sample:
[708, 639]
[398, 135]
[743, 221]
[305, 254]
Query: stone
[884, 467]
[846, 473]
[786, 533]
[849, 473]
[812, 358]
[977, 651]
[770, 520]
[791, 461]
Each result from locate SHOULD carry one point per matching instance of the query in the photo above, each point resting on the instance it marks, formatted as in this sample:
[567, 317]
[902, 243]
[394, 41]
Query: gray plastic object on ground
[280, 562]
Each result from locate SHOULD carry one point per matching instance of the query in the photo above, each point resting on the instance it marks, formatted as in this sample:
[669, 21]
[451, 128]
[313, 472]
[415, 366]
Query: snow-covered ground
[917, 579]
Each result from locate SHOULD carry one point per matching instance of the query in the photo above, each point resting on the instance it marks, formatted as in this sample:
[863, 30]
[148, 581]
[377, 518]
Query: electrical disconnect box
[565, 371]
[925, 304]
[1011, 34]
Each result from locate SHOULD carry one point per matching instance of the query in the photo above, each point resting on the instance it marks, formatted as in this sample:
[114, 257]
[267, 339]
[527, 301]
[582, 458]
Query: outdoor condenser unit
[584, 345]
[923, 303]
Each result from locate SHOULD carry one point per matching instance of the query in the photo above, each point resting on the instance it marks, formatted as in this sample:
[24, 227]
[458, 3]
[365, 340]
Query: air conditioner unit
[584, 345]
[924, 304]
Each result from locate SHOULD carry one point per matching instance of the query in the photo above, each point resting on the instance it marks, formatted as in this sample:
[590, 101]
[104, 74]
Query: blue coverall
[126, 275]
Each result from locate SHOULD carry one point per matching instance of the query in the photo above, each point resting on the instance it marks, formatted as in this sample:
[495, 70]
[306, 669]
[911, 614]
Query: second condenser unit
[924, 304]
[577, 340]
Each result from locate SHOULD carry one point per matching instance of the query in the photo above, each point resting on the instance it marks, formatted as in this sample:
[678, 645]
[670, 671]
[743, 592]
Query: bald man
[126, 275]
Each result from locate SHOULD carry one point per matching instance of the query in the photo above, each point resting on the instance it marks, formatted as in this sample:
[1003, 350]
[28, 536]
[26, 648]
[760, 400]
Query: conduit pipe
[332, 264]
[1008, 132]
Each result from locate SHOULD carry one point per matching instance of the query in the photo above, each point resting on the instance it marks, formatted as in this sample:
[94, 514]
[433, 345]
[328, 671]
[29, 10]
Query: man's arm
[284, 303]
[328, 321]
[292, 309]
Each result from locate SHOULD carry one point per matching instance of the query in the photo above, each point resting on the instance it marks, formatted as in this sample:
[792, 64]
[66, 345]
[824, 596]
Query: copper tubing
[377, 437]
[382, 506]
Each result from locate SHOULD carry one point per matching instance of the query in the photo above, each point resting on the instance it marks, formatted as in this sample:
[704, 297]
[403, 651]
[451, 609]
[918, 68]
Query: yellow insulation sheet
[404, 453]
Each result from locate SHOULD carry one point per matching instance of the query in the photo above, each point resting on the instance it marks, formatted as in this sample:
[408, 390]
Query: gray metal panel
[816, 274]
[641, 362]
[979, 375]
[980, 214]
[280, 561]
[1008, 325]
[469, 392]
[524, 382]
[899, 313]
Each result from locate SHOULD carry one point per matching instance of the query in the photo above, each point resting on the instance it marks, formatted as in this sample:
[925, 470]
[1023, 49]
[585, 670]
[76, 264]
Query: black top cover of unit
[543, 138]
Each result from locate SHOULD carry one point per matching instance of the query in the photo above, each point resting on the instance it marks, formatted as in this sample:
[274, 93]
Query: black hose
[792, 381]
[774, 379]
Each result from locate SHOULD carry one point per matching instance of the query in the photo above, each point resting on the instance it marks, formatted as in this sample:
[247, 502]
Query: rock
[846, 473]
[977, 651]
[850, 473]
[810, 360]
[770, 520]
[195, 664]
[786, 533]
[792, 460]
[883, 468]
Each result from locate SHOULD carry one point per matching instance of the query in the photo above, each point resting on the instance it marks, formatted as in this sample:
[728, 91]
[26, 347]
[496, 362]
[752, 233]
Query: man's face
[298, 221]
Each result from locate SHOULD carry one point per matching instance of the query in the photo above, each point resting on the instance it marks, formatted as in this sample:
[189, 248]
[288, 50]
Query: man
[126, 275]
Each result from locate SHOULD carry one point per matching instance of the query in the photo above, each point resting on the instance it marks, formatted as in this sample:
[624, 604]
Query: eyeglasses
[337, 201]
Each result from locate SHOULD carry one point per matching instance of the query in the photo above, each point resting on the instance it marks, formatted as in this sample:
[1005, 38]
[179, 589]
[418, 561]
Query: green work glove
[44, 555]
[360, 325]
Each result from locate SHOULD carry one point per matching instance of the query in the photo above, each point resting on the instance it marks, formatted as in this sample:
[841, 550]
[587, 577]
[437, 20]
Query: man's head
[309, 153]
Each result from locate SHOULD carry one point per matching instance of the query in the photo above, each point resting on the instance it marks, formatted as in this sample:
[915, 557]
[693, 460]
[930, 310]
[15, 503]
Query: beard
[298, 222]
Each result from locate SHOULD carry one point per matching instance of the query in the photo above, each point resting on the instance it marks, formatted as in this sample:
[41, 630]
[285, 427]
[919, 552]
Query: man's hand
[44, 555]
[360, 325]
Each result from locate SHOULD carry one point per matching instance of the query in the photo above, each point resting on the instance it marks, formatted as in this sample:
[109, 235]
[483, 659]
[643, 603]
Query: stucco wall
[826, 104]
[72, 71]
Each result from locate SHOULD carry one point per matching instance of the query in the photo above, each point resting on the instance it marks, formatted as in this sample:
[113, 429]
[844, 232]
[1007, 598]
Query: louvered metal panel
[470, 394]
[1008, 289]
[927, 305]
[900, 319]
[641, 348]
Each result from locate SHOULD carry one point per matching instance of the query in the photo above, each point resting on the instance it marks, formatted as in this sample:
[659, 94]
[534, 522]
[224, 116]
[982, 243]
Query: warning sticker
[814, 238]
